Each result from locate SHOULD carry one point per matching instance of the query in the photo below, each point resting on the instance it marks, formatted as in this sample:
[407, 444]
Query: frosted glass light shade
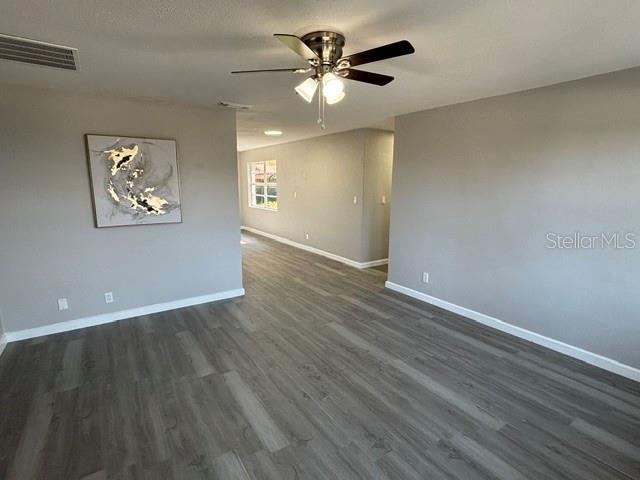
[332, 87]
[307, 89]
[335, 99]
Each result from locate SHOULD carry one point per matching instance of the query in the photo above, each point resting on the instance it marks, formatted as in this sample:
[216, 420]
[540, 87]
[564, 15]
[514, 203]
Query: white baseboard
[3, 342]
[120, 315]
[570, 350]
[317, 251]
[374, 263]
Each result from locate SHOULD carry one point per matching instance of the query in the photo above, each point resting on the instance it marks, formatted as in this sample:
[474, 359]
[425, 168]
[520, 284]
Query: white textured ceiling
[184, 50]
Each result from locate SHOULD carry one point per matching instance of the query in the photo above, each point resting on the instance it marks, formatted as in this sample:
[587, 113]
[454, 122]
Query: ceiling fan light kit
[335, 99]
[323, 52]
[307, 89]
[332, 88]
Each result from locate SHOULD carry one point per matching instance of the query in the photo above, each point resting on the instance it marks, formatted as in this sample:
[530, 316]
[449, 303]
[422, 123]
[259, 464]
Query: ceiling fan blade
[396, 49]
[297, 45]
[366, 77]
[292, 70]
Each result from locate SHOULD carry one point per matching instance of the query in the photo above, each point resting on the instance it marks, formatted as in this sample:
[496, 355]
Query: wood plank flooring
[317, 373]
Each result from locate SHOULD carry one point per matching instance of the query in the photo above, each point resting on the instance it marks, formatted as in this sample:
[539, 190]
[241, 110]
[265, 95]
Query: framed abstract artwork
[134, 181]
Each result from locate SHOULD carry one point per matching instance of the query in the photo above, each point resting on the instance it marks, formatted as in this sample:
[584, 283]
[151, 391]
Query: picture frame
[134, 180]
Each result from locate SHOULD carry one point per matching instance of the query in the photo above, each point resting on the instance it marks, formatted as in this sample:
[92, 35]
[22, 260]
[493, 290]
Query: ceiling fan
[323, 52]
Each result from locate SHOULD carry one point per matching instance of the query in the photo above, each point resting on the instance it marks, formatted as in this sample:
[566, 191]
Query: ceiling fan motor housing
[326, 45]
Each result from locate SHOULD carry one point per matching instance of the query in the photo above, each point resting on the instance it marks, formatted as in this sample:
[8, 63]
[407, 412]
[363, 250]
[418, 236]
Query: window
[263, 185]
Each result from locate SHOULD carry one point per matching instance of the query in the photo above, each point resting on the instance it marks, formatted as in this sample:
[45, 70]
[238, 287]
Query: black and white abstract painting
[134, 180]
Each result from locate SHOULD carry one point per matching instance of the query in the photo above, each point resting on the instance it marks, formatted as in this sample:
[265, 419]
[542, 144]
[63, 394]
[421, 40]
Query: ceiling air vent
[38, 53]
[234, 106]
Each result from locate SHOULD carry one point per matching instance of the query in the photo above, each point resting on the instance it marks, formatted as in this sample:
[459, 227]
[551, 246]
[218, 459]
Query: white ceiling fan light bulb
[336, 99]
[332, 86]
[307, 89]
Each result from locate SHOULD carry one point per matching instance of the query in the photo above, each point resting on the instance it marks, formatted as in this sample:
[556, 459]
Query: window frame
[265, 185]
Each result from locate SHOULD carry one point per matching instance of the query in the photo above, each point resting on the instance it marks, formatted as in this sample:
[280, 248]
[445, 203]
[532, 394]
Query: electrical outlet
[108, 297]
[306, 236]
[63, 304]
[425, 277]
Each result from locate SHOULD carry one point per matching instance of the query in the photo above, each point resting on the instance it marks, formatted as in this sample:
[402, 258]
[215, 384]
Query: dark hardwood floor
[318, 372]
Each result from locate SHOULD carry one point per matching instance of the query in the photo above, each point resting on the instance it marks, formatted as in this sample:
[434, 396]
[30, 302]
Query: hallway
[318, 372]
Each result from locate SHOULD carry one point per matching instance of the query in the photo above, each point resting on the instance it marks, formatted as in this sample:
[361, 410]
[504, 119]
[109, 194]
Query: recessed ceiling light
[273, 133]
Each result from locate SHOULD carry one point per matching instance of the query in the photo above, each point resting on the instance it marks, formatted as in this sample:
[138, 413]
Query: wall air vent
[38, 53]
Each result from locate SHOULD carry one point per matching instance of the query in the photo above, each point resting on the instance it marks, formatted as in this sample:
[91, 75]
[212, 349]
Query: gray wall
[50, 247]
[478, 186]
[378, 164]
[326, 173]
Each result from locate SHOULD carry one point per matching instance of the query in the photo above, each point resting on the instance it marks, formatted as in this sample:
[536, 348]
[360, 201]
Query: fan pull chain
[319, 101]
[321, 104]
